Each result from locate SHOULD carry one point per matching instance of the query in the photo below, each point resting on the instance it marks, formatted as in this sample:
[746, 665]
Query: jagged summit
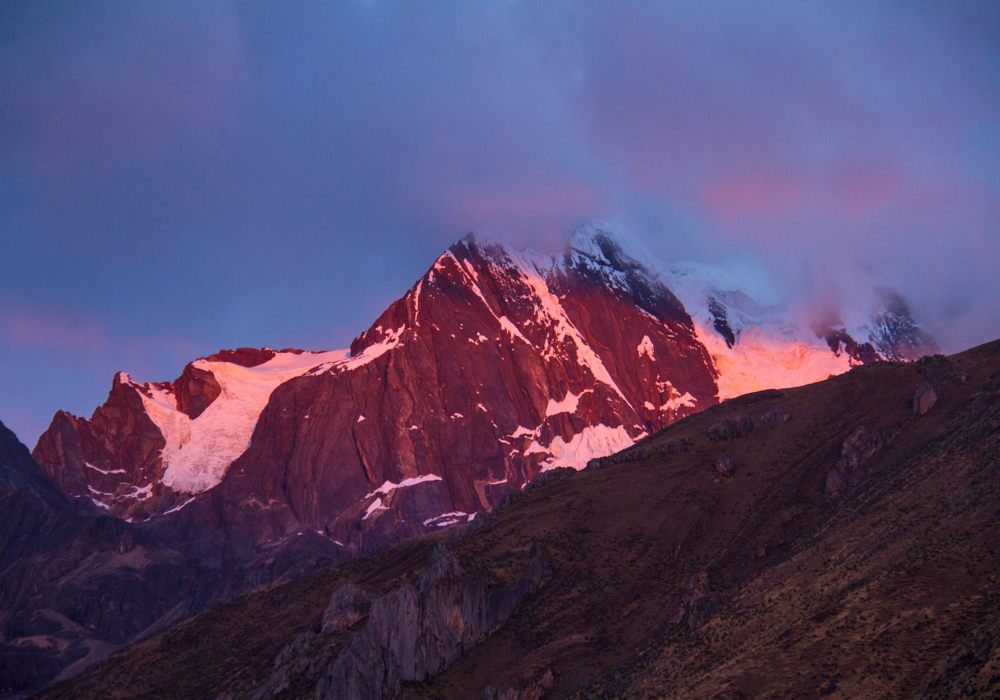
[496, 365]
[152, 443]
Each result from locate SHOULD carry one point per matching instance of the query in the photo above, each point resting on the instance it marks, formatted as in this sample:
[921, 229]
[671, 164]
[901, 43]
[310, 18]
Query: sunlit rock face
[498, 364]
[151, 447]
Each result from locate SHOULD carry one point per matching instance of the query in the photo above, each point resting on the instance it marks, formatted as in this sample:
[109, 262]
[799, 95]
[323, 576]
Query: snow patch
[388, 486]
[376, 505]
[140, 493]
[446, 519]
[198, 452]
[391, 340]
[646, 348]
[593, 441]
[569, 404]
[675, 403]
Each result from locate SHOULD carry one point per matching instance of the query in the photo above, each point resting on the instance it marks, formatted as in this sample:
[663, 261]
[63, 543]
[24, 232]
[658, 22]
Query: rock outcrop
[738, 426]
[114, 457]
[858, 448]
[410, 634]
[923, 400]
[724, 465]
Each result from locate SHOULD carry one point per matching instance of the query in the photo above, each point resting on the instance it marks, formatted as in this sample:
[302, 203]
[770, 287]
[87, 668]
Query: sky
[181, 177]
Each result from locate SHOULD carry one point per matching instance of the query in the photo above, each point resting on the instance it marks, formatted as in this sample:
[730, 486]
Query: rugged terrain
[838, 539]
[76, 586]
[496, 365]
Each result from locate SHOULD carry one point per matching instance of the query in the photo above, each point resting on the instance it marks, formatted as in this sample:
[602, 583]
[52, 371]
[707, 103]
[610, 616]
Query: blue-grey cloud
[180, 177]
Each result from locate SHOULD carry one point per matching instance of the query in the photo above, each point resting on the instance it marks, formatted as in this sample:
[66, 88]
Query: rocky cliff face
[497, 365]
[152, 446]
[410, 634]
[113, 454]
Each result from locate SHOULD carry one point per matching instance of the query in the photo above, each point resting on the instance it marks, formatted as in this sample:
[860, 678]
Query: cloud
[51, 331]
[242, 173]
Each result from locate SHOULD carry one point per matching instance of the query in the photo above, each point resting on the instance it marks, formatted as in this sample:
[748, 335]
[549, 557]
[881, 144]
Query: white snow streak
[593, 441]
[412, 481]
[101, 471]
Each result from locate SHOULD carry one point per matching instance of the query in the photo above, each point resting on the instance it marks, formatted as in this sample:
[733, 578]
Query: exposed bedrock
[410, 634]
[858, 448]
[116, 449]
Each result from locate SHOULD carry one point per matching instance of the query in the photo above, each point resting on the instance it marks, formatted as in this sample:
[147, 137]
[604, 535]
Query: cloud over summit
[241, 173]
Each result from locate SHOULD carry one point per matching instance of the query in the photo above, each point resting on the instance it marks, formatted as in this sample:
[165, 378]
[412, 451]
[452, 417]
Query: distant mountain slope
[72, 587]
[847, 548]
[75, 587]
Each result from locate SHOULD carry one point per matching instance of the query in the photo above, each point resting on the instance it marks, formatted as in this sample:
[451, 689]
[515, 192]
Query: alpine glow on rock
[498, 364]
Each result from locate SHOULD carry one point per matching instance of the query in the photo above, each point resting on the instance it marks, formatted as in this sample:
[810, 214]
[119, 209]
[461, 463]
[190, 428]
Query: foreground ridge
[673, 577]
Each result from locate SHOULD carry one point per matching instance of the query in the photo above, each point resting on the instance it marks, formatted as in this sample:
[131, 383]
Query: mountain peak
[609, 244]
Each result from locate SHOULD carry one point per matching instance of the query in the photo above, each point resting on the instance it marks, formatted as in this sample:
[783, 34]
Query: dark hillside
[846, 548]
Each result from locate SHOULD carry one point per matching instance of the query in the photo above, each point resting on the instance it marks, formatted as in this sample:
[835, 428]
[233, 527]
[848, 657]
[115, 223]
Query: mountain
[496, 365]
[834, 540]
[256, 466]
[74, 587]
[150, 446]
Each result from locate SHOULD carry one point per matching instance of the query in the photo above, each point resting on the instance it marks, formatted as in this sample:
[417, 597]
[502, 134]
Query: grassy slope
[884, 594]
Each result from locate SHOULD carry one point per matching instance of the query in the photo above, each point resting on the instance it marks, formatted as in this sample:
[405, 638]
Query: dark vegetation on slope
[673, 577]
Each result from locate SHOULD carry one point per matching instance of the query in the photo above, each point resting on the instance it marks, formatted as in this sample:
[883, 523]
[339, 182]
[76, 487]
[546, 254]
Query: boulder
[858, 448]
[923, 400]
[724, 465]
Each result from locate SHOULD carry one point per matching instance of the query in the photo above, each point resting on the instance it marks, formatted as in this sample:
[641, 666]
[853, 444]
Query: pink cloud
[753, 197]
[542, 208]
[51, 331]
